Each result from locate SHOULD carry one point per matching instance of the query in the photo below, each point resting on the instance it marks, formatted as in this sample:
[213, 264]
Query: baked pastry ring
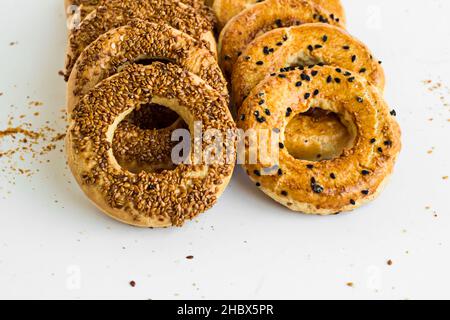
[305, 45]
[134, 147]
[227, 9]
[318, 136]
[330, 186]
[87, 6]
[147, 199]
[116, 13]
[261, 18]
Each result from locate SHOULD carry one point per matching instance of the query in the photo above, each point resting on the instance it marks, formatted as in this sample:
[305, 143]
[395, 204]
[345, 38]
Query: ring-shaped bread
[319, 136]
[87, 6]
[329, 186]
[148, 199]
[305, 45]
[138, 148]
[261, 18]
[112, 14]
[227, 9]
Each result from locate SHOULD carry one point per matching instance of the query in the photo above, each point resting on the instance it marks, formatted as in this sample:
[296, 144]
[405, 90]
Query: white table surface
[55, 244]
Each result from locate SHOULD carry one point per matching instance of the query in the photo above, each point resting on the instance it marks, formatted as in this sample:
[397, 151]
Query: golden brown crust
[227, 9]
[303, 45]
[311, 138]
[261, 18]
[116, 13]
[87, 6]
[141, 40]
[138, 148]
[146, 199]
[330, 186]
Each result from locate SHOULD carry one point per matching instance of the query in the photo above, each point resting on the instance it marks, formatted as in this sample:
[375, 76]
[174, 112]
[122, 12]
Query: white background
[55, 244]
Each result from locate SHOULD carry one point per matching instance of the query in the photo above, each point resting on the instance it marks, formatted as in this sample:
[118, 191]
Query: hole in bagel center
[317, 135]
[142, 141]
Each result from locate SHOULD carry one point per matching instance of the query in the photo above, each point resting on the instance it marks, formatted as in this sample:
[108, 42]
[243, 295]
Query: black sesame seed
[307, 95]
[316, 92]
[282, 76]
[256, 113]
[333, 176]
[373, 140]
[393, 113]
[284, 193]
[280, 172]
[362, 70]
[266, 50]
[339, 70]
[359, 99]
[325, 38]
[298, 84]
[337, 80]
[279, 23]
[261, 102]
[351, 79]
[261, 119]
[352, 202]
[310, 48]
[314, 73]
[259, 63]
[279, 44]
[243, 117]
[329, 79]
[257, 173]
[258, 184]
[288, 112]
[247, 58]
[281, 145]
[380, 150]
[310, 166]
[353, 58]
[388, 143]
[317, 188]
[365, 192]
[267, 112]
[346, 47]
[318, 46]
[365, 172]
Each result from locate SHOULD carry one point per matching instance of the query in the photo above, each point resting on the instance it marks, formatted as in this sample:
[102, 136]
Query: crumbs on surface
[350, 284]
[132, 284]
[390, 262]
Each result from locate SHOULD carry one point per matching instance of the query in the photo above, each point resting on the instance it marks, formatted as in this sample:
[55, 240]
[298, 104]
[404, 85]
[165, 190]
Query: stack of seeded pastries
[139, 70]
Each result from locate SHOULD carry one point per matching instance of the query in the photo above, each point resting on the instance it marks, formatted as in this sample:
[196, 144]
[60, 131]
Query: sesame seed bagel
[227, 9]
[261, 18]
[141, 41]
[147, 199]
[139, 148]
[116, 13]
[329, 186]
[87, 6]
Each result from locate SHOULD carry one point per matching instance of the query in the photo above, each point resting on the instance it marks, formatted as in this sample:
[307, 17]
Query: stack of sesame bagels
[297, 74]
[136, 71]
[139, 71]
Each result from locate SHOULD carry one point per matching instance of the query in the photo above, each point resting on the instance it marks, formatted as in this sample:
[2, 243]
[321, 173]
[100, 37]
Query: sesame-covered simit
[147, 199]
[314, 187]
[116, 13]
[87, 6]
[139, 148]
[261, 18]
